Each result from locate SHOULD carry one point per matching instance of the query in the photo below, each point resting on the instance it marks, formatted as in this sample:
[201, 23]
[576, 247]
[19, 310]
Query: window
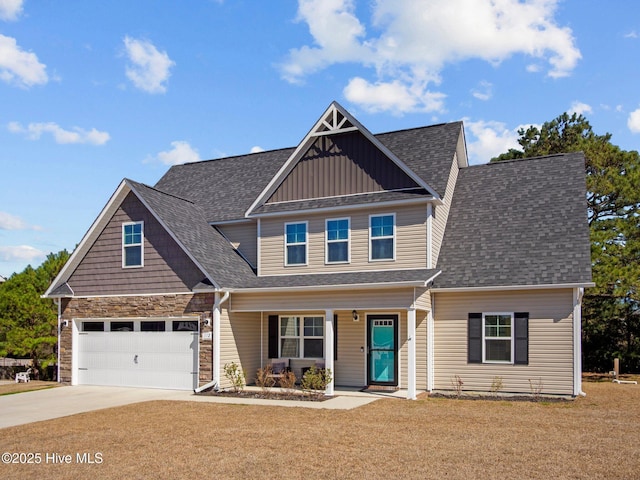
[93, 326]
[497, 337]
[185, 326]
[295, 243]
[501, 337]
[337, 238]
[152, 326]
[122, 326]
[305, 342]
[132, 239]
[382, 237]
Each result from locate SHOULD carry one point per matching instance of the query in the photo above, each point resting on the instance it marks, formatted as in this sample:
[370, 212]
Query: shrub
[264, 378]
[457, 383]
[496, 385]
[315, 380]
[536, 388]
[235, 375]
[288, 381]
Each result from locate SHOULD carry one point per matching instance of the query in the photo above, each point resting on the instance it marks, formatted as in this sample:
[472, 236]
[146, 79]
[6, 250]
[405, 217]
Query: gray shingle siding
[519, 222]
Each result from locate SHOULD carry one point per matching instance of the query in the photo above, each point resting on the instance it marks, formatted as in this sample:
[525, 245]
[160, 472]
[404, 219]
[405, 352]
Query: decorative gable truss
[339, 157]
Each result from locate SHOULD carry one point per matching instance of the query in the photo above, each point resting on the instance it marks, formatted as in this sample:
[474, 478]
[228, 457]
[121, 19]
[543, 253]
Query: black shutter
[273, 336]
[335, 337]
[474, 338]
[521, 332]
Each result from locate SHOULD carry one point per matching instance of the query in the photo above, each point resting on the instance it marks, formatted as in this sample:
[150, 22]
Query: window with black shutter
[474, 338]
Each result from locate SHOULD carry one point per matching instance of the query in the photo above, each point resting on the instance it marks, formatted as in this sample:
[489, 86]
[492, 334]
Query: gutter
[215, 383]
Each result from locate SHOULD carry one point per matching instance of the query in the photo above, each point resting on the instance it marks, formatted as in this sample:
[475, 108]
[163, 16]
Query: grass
[593, 437]
[11, 388]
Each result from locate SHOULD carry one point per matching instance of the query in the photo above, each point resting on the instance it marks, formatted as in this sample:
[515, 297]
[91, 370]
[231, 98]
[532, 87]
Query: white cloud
[396, 96]
[18, 67]
[11, 222]
[631, 34]
[10, 9]
[256, 149]
[488, 139]
[633, 122]
[20, 253]
[415, 39]
[149, 69]
[580, 108]
[76, 135]
[484, 92]
[181, 153]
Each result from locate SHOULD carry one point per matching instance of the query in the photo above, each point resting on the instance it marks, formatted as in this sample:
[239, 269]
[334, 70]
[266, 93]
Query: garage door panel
[138, 359]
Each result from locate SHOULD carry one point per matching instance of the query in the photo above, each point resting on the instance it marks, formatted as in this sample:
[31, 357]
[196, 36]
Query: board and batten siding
[411, 242]
[239, 343]
[441, 212]
[550, 341]
[167, 269]
[244, 238]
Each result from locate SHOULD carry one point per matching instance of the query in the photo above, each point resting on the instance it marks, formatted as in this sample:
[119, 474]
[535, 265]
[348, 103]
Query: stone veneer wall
[144, 306]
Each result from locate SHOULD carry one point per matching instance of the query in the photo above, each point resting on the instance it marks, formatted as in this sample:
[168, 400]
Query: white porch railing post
[328, 350]
[411, 341]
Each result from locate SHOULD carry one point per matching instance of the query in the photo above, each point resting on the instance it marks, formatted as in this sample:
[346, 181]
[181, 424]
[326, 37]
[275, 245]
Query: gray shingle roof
[227, 187]
[206, 245]
[520, 222]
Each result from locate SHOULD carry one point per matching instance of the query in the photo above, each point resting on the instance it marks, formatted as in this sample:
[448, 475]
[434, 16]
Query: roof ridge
[161, 191]
[526, 159]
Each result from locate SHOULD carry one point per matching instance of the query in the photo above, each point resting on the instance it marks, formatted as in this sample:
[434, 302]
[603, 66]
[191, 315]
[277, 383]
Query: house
[387, 257]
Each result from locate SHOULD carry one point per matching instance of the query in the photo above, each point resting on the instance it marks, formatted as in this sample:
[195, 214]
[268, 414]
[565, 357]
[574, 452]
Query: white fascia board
[514, 287]
[310, 138]
[91, 235]
[175, 238]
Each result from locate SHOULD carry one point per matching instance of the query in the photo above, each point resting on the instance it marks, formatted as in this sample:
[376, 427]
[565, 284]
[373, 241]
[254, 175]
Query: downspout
[215, 383]
[58, 302]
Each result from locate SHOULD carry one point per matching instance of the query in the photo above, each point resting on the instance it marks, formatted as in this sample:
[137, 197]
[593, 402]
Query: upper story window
[337, 241]
[382, 232]
[132, 244]
[295, 243]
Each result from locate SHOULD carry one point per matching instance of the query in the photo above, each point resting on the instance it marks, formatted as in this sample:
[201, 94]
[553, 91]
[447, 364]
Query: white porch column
[328, 350]
[577, 340]
[411, 342]
[216, 339]
[430, 347]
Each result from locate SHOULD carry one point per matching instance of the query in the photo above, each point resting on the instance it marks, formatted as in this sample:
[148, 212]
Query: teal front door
[382, 358]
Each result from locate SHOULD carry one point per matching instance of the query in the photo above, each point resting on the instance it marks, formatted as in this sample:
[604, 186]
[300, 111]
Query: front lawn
[593, 437]
[10, 388]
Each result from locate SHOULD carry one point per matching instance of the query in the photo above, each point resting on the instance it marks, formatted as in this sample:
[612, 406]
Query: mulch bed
[506, 398]
[269, 395]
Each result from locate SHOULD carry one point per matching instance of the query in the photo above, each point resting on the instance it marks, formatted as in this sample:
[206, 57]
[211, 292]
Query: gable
[341, 164]
[167, 268]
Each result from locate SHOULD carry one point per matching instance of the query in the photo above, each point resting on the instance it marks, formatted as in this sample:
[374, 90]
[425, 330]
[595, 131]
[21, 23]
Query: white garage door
[159, 353]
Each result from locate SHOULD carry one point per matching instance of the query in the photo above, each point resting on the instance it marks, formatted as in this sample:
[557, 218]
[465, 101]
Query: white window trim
[327, 241]
[141, 245]
[301, 337]
[485, 338]
[305, 243]
[393, 237]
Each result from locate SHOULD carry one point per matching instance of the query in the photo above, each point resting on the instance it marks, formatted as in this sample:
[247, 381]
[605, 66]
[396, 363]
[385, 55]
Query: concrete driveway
[28, 407]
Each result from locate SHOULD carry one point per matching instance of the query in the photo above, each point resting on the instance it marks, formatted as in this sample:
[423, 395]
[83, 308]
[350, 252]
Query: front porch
[380, 340]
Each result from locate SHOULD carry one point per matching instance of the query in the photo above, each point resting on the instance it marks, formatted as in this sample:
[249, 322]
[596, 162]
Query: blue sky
[92, 92]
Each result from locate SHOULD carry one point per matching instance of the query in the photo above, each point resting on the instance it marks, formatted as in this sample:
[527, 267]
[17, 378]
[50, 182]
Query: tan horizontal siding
[423, 299]
[411, 250]
[239, 343]
[321, 300]
[243, 237]
[421, 350]
[441, 212]
[550, 340]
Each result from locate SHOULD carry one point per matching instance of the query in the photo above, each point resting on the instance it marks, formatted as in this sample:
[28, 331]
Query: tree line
[611, 310]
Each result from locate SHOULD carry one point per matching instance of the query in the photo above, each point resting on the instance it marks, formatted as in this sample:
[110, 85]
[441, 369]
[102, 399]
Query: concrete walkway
[27, 407]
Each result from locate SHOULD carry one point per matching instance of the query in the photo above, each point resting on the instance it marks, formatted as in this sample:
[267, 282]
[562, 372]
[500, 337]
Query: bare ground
[591, 438]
